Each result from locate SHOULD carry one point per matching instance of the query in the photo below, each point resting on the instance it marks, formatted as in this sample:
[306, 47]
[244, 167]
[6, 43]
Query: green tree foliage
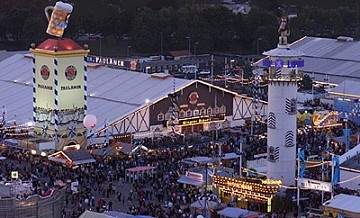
[211, 26]
[306, 83]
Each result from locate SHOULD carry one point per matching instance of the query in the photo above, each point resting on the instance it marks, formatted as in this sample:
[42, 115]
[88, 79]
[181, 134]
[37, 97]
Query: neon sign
[279, 63]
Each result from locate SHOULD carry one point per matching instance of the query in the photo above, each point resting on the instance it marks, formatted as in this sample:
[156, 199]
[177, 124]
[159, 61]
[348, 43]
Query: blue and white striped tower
[283, 64]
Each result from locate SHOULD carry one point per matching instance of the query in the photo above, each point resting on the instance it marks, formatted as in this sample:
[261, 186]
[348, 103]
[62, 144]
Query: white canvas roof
[344, 202]
[327, 56]
[112, 93]
[347, 88]
[235, 212]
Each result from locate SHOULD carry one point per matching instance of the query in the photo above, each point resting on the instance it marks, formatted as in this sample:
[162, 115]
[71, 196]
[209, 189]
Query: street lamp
[195, 46]
[257, 45]
[189, 45]
[128, 51]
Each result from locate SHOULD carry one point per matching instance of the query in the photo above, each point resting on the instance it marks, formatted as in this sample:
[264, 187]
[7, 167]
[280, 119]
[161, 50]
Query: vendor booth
[135, 173]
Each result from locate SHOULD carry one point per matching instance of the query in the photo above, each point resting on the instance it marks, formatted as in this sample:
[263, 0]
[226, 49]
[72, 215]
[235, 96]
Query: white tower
[59, 91]
[283, 64]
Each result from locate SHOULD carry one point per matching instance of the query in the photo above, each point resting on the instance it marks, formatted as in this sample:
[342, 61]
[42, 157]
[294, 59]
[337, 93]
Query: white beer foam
[64, 6]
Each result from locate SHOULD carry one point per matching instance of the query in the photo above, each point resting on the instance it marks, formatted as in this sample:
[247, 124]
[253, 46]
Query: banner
[314, 185]
[301, 156]
[346, 139]
[336, 167]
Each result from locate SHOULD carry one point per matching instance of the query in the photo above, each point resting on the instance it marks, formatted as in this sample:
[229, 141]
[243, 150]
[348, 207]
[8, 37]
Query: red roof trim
[59, 45]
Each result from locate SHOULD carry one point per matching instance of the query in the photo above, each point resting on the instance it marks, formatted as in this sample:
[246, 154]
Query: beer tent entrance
[72, 158]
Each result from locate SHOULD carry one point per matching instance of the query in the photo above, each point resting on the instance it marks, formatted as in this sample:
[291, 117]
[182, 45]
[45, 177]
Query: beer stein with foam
[58, 18]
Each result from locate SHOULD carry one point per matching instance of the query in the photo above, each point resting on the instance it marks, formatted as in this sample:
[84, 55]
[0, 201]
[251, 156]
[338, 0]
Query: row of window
[193, 113]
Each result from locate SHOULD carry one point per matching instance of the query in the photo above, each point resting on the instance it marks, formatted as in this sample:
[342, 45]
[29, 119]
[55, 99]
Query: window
[167, 116]
[182, 114]
[160, 117]
[216, 110]
[196, 113]
[209, 111]
[223, 109]
[189, 113]
[203, 112]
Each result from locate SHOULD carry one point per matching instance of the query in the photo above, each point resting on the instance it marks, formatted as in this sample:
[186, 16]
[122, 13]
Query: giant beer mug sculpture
[58, 18]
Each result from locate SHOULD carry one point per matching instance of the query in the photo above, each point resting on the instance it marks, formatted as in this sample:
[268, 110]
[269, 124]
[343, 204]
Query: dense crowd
[103, 186]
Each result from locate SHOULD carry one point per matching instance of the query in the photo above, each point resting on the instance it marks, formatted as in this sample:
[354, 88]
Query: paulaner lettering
[45, 87]
[71, 87]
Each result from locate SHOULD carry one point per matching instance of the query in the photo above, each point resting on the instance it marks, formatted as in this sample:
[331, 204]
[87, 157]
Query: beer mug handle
[47, 9]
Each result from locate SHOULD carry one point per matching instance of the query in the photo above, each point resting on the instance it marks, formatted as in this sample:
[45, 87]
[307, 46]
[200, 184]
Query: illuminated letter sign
[279, 63]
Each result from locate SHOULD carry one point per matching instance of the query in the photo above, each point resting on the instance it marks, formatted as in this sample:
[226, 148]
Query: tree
[306, 83]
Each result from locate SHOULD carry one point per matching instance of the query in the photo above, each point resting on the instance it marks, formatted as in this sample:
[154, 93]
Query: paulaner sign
[106, 61]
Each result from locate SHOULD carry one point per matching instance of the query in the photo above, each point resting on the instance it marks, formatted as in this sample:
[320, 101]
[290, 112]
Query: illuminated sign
[200, 120]
[14, 174]
[315, 185]
[279, 63]
[249, 188]
[106, 61]
[193, 98]
[194, 121]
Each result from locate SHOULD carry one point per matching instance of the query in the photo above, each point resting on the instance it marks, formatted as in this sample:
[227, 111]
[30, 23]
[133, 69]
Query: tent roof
[112, 93]
[190, 181]
[347, 88]
[328, 56]
[344, 202]
[229, 156]
[201, 203]
[91, 214]
[235, 212]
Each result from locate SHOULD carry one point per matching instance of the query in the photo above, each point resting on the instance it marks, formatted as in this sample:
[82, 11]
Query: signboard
[200, 120]
[75, 187]
[132, 64]
[314, 185]
[14, 174]
[194, 176]
[279, 63]
[252, 189]
[106, 61]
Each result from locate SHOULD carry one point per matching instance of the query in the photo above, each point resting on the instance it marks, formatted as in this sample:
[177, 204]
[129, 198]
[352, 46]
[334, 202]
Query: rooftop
[344, 202]
[338, 57]
[112, 93]
[59, 45]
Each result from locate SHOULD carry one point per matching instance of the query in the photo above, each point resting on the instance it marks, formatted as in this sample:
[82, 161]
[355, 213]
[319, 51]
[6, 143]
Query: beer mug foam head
[64, 7]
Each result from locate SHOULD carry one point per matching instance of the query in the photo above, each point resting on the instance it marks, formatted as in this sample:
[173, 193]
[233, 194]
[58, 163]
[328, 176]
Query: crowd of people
[103, 187]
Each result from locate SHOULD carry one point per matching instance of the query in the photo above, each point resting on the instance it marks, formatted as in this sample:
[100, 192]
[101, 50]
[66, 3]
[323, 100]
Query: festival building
[125, 103]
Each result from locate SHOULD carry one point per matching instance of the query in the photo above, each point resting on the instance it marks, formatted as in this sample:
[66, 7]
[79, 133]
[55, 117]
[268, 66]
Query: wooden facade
[198, 103]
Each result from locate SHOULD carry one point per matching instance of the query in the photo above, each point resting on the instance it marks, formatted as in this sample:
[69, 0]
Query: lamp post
[257, 45]
[128, 51]
[161, 44]
[189, 45]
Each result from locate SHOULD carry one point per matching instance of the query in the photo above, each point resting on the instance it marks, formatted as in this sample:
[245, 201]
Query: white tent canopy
[234, 212]
[349, 203]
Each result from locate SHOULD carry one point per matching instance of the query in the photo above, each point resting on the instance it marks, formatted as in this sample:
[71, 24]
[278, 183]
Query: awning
[200, 204]
[230, 156]
[72, 157]
[234, 212]
[140, 169]
[190, 181]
